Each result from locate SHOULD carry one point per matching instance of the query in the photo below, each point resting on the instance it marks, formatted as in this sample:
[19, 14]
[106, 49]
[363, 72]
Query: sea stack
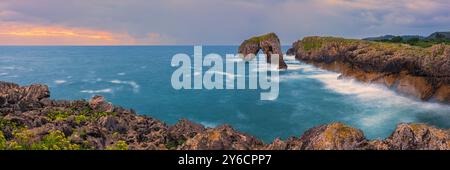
[269, 43]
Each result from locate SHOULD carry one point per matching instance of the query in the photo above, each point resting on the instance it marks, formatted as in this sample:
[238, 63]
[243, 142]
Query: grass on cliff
[120, 145]
[258, 39]
[389, 48]
[84, 115]
[314, 43]
[424, 43]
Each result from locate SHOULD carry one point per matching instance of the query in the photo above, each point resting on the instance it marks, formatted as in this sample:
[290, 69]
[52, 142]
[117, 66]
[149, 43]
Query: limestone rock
[268, 43]
[221, 138]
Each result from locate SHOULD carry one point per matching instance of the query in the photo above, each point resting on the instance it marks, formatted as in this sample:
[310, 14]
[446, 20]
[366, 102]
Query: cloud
[14, 33]
[229, 21]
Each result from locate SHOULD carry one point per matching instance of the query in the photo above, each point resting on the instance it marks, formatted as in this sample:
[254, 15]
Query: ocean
[139, 77]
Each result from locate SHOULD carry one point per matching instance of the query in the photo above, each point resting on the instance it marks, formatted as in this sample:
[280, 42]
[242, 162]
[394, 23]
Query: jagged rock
[334, 136]
[277, 144]
[112, 124]
[142, 132]
[22, 98]
[377, 145]
[268, 43]
[98, 103]
[184, 130]
[221, 138]
[418, 136]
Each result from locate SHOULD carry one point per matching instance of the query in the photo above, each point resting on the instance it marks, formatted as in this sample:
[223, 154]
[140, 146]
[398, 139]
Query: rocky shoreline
[414, 71]
[29, 119]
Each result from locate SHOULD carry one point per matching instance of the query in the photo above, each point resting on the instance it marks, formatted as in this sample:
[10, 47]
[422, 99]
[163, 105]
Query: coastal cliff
[30, 120]
[268, 43]
[415, 71]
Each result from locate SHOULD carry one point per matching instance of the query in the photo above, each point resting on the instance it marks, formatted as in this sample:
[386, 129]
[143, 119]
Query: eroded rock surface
[415, 71]
[268, 43]
[28, 116]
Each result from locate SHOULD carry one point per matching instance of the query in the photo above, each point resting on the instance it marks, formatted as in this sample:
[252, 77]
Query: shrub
[81, 118]
[120, 145]
[55, 140]
[7, 123]
[397, 39]
[58, 115]
[23, 139]
[2, 141]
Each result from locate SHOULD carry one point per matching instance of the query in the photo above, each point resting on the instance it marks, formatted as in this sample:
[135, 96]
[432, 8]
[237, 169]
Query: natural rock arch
[268, 43]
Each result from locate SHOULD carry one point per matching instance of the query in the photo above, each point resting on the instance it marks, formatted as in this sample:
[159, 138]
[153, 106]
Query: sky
[211, 22]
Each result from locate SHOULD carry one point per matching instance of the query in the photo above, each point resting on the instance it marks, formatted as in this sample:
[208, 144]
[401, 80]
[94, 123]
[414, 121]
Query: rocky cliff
[268, 43]
[30, 120]
[415, 71]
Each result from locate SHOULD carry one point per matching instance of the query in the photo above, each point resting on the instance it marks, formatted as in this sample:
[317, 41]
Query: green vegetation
[120, 145]
[258, 39]
[424, 43]
[174, 144]
[2, 141]
[7, 123]
[84, 115]
[375, 47]
[81, 118]
[58, 115]
[24, 139]
[56, 140]
[313, 43]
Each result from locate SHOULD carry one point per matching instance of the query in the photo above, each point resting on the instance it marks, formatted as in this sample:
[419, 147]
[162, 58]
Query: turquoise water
[139, 78]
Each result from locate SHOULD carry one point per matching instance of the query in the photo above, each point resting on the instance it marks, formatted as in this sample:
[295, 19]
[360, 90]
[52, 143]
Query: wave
[4, 74]
[108, 90]
[121, 74]
[133, 84]
[379, 102]
[208, 124]
[19, 68]
[60, 81]
[289, 58]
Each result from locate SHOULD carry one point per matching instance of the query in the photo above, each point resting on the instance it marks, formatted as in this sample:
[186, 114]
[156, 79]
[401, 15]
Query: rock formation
[415, 71]
[268, 43]
[30, 120]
